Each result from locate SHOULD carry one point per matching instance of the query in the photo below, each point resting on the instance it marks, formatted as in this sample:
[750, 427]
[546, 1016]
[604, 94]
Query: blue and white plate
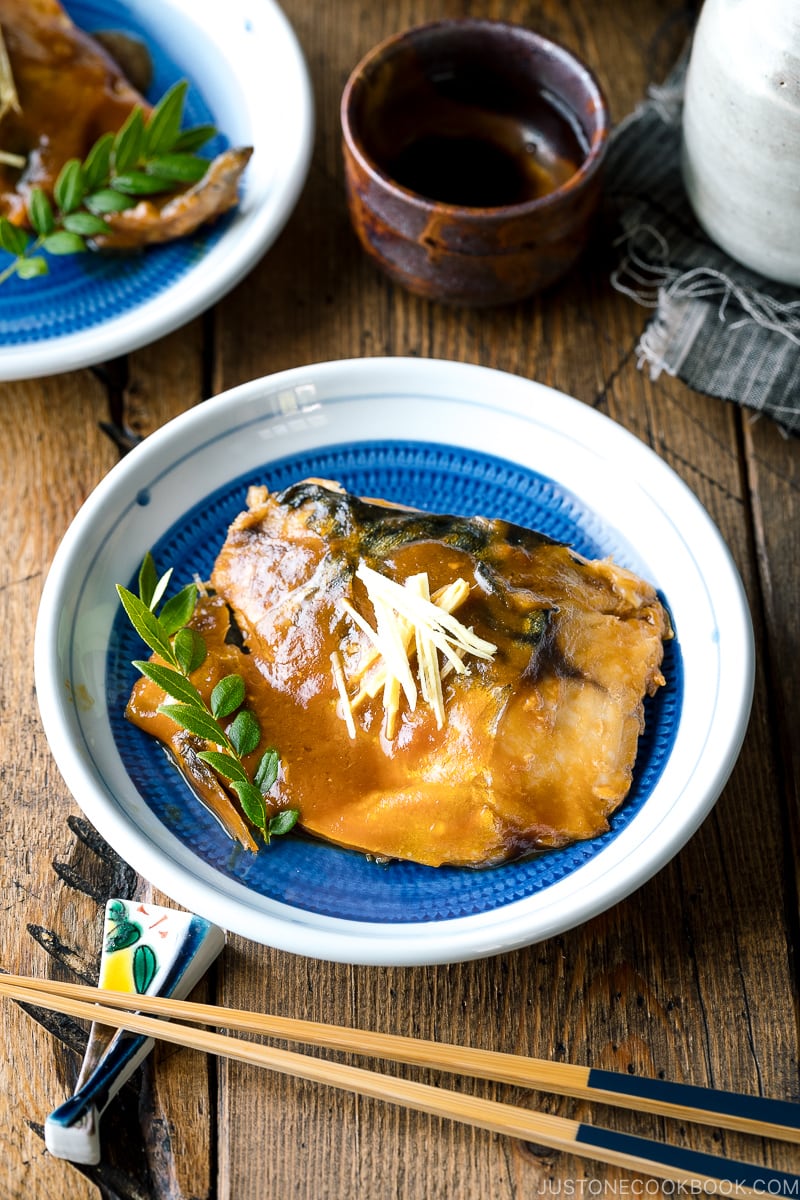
[442, 436]
[248, 77]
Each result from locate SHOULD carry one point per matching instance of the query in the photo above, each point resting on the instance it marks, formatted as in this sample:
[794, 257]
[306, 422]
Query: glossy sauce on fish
[538, 740]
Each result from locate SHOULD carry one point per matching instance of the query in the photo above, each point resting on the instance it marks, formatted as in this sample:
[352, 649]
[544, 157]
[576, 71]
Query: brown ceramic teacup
[472, 154]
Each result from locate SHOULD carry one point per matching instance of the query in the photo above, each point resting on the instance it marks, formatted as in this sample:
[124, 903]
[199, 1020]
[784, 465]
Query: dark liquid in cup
[465, 154]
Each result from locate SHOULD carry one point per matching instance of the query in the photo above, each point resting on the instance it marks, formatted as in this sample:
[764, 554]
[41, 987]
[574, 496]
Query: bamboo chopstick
[620, 1149]
[758, 1115]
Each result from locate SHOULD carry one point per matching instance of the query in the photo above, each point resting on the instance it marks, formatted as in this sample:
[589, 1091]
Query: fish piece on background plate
[70, 91]
[440, 689]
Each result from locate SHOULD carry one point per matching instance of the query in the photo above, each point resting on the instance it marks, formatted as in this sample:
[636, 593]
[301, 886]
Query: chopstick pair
[749, 1114]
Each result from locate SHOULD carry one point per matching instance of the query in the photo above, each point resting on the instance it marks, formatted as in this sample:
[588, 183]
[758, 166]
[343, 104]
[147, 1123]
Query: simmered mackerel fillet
[70, 93]
[538, 737]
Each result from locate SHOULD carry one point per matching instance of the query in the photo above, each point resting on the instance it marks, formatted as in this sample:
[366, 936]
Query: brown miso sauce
[469, 155]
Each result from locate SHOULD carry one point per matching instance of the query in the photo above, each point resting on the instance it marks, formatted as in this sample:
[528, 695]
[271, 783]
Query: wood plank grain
[165, 379]
[46, 472]
[773, 473]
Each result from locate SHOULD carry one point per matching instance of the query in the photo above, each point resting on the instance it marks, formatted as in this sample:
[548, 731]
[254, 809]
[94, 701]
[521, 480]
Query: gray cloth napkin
[718, 326]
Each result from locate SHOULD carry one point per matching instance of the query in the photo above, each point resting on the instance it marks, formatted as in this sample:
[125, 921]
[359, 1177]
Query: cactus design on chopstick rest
[146, 948]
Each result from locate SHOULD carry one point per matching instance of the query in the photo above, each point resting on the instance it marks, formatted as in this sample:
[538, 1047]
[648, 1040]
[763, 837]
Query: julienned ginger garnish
[410, 623]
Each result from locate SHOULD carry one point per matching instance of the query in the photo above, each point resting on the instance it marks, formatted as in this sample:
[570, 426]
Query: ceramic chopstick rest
[146, 949]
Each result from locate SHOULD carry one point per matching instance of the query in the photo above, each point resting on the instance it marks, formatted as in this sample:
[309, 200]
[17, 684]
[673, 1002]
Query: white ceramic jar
[741, 132]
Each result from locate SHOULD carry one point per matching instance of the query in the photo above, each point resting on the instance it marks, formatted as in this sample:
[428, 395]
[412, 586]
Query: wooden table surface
[692, 978]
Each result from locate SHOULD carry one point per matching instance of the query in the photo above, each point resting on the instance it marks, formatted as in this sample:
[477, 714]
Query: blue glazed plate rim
[292, 870]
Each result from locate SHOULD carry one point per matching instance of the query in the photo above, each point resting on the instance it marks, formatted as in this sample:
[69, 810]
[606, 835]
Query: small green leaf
[178, 610]
[192, 139]
[145, 965]
[137, 183]
[70, 187]
[244, 733]
[178, 168]
[252, 803]
[267, 771]
[85, 223]
[146, 624]
[40, 212]
[190, 650]
[97, 164]
[185, 652]
[117, 911]
[128, 144]
[29, 268]
[64, 242]
[170, 681]
[282, 822]
[227, 696]
[148, 579]
[127, 933]
[196, 721]
[164, 123]
[106, 200]
[225, 765]
[12, 239]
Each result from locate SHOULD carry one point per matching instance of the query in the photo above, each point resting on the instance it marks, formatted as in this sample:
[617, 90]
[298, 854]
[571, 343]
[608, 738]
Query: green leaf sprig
[183, 650]
[144, 158]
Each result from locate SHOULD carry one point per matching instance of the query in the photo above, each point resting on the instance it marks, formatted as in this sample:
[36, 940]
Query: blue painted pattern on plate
[84, 290]
[321, 878]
